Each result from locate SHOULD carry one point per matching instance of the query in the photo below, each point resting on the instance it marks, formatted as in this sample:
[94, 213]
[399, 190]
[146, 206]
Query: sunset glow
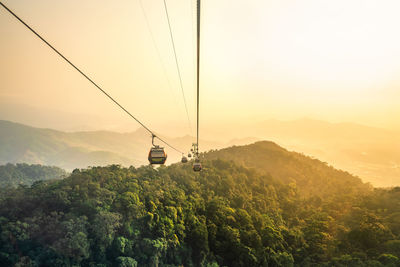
[330, 60]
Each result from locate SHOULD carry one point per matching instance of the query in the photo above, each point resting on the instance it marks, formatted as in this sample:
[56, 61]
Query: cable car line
[89, 79]
[177, 64]
[197, 164]
[157, 49]
[198, 70]
[193, 52]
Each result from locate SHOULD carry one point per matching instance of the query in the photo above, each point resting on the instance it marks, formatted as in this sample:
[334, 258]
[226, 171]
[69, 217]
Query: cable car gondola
[197, 166]
[184, 159]
[157, 154]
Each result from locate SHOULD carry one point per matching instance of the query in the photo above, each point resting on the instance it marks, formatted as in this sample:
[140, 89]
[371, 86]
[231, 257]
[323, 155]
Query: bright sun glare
[330, 60]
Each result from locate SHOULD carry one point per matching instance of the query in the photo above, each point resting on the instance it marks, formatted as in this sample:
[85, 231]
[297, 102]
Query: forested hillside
[311, 176]
[227, 215]
[371, 153]
[23, 174]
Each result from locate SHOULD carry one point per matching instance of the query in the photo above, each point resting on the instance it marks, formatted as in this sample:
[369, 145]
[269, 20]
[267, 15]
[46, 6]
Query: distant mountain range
[21, 143]
[370, 153]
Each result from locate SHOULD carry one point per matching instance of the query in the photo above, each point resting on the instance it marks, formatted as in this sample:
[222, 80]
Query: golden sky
[284, 59]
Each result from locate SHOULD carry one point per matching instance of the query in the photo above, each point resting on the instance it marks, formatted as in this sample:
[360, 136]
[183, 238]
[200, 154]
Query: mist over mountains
[370, 153]
[21, 143]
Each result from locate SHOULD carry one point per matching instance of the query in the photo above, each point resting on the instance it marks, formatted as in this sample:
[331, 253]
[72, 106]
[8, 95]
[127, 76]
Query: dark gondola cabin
[184, 159]
[197, 166]
[157, 155]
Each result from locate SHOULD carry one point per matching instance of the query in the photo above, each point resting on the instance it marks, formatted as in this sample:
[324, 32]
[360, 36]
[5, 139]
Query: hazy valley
[370, 153]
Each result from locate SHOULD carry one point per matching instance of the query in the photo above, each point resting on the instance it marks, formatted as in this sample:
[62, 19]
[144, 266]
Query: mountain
[311, 176]
[369, 152]
[21, 143]
[23, 174]
[254, 205]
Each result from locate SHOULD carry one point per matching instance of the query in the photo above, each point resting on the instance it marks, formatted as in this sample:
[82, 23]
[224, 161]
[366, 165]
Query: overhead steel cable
[157, 49]
[177, 64]
[193, 51]
[198, 71]
[89, 79]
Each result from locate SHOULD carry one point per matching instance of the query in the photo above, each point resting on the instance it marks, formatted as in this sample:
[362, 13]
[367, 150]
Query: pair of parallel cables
[116, 102]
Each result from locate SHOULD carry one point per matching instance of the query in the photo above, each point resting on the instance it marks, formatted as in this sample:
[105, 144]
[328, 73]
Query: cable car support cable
[89, 79]
[157, 50]
[197, 164]
[177, 64]
[198, 71]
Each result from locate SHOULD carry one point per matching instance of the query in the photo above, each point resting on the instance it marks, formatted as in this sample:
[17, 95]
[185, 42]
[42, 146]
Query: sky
[337, 61]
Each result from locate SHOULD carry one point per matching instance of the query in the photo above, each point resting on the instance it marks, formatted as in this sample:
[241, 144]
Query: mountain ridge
[374, 156]
[70, 150]
[312, 176]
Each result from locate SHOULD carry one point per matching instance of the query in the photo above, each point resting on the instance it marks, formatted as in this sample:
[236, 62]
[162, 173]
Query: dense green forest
[256, 205]
[23, 174]
[311, 176]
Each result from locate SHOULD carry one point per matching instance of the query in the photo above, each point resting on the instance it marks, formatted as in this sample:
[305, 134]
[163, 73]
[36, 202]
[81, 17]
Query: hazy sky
[285, 59]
